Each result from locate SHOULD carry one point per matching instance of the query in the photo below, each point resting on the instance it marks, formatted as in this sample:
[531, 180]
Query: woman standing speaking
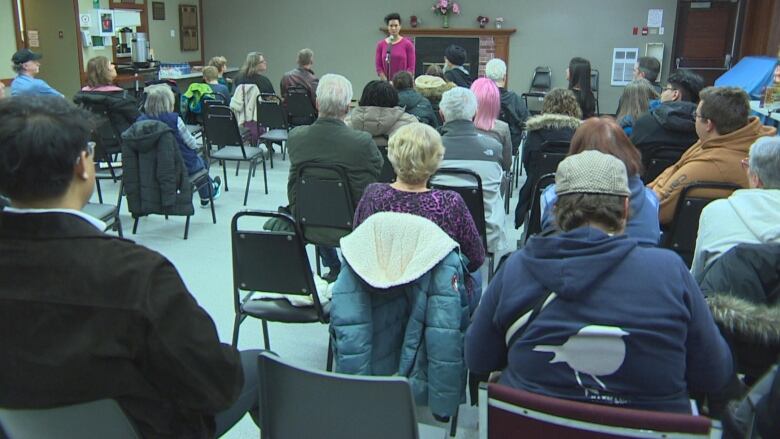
[394, 53]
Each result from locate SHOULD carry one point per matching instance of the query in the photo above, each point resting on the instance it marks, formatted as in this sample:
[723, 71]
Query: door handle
[677, 62]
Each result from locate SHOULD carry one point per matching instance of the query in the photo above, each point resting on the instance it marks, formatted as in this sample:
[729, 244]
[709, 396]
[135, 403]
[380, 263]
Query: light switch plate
[173, 33]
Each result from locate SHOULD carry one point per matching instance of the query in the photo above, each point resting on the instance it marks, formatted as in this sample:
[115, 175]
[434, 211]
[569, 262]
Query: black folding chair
[108, 213]
[323, 200]
[221, 130]
[95, 419]
[541, 83]
[387, 174]
[272, 261]
[594, 87]
[547, 158]
[684, 228]
[300, 110]
[658, 159]
[533, 221]
[472, 195]
[270, 115]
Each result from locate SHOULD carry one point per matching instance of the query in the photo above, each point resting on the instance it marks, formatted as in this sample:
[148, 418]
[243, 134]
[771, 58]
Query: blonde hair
[252, 64]
[220, 62]
[98, 71]
[636, 98]
[415, 151]
[210, 73]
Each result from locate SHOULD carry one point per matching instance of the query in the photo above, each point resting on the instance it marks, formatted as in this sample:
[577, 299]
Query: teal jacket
[400, 307]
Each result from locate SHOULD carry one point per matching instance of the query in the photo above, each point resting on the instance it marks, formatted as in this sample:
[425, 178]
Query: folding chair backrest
[548, 157]
[658, 160]
[681, 235]
[541, 81]
[271, 261]
[507, 412]
[387, 174]
[323, 197]
[220, 127]
[270, 113]
[468, 184]
[533, 223]
[594, 80]
[90, 420]
[305, 403]
[300, 110]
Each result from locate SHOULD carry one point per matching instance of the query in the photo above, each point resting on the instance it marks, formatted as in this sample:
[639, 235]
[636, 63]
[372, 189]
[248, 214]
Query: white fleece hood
[390, 249]
[759, 211]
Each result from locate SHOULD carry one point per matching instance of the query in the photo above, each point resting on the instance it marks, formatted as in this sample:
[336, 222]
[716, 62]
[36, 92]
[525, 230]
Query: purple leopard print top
[445, 208]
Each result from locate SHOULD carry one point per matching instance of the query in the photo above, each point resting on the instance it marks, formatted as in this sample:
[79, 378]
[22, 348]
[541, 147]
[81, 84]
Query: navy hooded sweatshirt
[626, 326]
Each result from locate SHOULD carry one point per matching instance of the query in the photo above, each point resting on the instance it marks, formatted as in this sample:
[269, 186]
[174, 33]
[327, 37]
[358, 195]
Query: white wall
[7, 38]
[167, 48]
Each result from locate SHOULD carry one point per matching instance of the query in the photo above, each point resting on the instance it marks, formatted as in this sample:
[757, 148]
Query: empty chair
[300, 110]
[221, 131]
[108, 213]
[505, 412]
[541, 80]
[682, 232]
[271, 117]
[297, 402]
[90, 420]
[272, 262]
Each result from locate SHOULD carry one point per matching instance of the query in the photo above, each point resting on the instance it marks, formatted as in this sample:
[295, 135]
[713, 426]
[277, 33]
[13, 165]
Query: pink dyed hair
[488, 103]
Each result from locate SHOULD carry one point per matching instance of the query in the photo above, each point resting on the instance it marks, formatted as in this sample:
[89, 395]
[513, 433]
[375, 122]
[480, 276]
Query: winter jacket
[742, 289]
[465, 148]
[400, 308]
[380, 122]
[432, 88]
[418, 106]
[642, 212]
[155, 176]
[670, 125]
[542, 128]
[460, 76]
[120, 107]
[748, 216]
[715, 159]
[501, 134]
[195, 94]
[244, 103]
[514, 113]
[263, 84]
[623, 325]
[187, 144]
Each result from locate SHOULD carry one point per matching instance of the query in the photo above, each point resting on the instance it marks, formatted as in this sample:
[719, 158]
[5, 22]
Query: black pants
[248, 399]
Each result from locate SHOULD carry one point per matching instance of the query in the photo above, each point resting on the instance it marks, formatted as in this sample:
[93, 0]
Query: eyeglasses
[745, 163]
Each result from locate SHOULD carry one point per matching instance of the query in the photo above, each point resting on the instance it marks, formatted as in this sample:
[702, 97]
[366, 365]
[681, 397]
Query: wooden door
[705, 37]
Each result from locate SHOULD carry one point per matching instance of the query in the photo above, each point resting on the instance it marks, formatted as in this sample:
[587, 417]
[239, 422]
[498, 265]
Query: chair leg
[248, 181]
[454, 423]
[265, 177]
[238, 164]
[317, 260]
[187, 227]
[100, 193]
[270, 147]
[213, 214]
[236, 327]
[135, 224]
[266, 340]
[224, 174]
[329, 361]
[284, 150]
[118, 224]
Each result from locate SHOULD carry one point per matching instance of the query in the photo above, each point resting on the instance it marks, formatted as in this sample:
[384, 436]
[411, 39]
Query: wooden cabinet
[188, 27]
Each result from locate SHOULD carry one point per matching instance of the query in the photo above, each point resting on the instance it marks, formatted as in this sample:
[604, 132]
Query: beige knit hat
[591, 172]
[428, 81]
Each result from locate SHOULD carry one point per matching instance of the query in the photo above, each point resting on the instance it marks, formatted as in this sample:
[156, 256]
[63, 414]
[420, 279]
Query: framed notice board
[188, 27]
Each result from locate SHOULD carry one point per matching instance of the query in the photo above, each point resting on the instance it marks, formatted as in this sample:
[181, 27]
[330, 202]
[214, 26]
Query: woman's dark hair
[577, 210]
[41, 138]
[392, 16]
[379, 94]
[603, 134]
[403, 80]
[579, 74]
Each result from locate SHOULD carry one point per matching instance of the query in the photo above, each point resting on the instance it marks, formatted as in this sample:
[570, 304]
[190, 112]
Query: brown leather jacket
[300, 77]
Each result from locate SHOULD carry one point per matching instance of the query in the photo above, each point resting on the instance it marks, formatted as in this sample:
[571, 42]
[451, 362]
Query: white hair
[159, 100]
[334, 92]
[495, 69]
[764, 161]
[458, 104]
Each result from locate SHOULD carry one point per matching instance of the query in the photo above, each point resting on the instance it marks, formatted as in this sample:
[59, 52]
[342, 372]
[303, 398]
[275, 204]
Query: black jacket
[418, 106]
[86, 316]
[262, 83]
[670, 124]
[459, 76]
[155, 176]
[743, 287]
[120, 108]
[514, 113]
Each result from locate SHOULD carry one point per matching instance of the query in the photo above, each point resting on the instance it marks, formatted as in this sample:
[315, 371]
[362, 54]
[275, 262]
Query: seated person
[560, 116]
[26, 65]
[748, 216]
[416, 151]
[670, 122]
[648, 68]
[101, 93]
[604, 135]
[95, 316]
[378, 112]
[220, 62]
[487, 122]
[465, 148]
[412, 101]
[159, 106]
[454, 70]
[726, 130]
[331, 141]
[615, 323]
[301, 76]
[578, 75]
[513, 109]
[634, 102]
[211, 77]
[252, 73]
[432, 87]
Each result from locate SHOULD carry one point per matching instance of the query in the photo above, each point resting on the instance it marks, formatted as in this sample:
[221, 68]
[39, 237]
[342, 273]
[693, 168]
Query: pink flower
[455, 8]
[443, 4]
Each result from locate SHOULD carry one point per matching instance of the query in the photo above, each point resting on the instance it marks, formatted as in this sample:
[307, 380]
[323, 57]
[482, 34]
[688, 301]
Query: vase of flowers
[499, 22]
[482, 20]
[445, 8]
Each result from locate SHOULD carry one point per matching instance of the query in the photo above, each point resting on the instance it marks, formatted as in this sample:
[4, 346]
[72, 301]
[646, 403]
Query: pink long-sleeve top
[402, 57]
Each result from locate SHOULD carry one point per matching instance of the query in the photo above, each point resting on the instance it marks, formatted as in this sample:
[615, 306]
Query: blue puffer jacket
[400, 308]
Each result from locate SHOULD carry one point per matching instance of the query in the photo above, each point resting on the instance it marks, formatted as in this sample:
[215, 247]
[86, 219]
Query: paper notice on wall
[655, 17]
[32, 38]
[623, 62]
